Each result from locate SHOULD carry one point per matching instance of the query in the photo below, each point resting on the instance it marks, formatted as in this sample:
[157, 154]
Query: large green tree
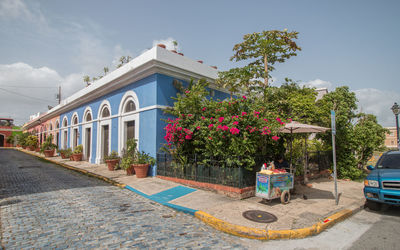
[261, 50]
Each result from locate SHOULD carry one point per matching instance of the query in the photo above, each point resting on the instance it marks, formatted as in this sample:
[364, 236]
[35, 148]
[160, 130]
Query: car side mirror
[370, 167]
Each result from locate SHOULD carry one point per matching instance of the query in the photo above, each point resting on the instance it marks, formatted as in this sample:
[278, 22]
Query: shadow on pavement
[22, 174]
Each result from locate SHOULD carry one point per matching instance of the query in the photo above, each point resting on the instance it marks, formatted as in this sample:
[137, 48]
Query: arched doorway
[2, 140]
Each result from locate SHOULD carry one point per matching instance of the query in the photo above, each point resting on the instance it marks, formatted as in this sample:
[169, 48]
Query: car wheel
[375, 206]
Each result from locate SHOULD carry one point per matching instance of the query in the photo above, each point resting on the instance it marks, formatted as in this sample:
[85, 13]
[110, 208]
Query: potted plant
[48, 147]
[128, 156]
[141, 164]
[77, 153]
[65, 153]
[31, 142]
[112, 160]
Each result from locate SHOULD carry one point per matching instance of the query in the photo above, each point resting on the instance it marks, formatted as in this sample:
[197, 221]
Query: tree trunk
[266, 71]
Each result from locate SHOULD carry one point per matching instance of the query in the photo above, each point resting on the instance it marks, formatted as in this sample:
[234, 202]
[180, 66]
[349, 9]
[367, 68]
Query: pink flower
[212, 118]
[210, 138]
[187, 131]
[244, 97]
[219, 127]
[188, 137]
[244, 113]
[235, 123]
[210, 126]
[187, 91]
[275, 138]
[203, 118]
[234, 131]
[266, 120]
[198, 127]
[256, 113]
[204, 109]
[179, 128]
[225, 128]
[279, 119]
[189, 115]
[221, 119]
[290, 120]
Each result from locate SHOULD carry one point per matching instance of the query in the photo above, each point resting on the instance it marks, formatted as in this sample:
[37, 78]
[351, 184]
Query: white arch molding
[64, 133]
[102, 124]
[74, 139]
[87, 134]
[127, 117]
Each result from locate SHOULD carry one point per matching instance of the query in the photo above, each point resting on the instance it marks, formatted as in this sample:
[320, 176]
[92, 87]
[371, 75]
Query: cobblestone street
[43, 205]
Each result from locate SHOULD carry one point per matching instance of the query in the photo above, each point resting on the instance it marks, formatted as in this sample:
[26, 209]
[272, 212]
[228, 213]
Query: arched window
[57, 124]
[74, 120]
[88, 117]
[105, 112]
[51, 126]
[65, 123]
[129, 106]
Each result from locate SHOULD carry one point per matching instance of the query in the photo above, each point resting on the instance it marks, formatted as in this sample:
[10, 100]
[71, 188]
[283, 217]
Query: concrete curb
[241, 231]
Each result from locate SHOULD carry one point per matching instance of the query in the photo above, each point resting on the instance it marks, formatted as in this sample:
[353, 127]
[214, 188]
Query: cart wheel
[285, 197]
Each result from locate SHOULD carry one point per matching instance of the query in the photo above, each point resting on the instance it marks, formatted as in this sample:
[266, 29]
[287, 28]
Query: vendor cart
[272, 186]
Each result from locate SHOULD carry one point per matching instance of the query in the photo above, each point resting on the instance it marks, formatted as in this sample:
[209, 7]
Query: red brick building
[6, 129]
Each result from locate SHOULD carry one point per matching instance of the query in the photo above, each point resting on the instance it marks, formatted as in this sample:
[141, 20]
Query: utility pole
[59, 94]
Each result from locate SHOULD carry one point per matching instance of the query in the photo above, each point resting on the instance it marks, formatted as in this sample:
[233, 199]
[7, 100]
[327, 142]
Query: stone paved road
[45, 206]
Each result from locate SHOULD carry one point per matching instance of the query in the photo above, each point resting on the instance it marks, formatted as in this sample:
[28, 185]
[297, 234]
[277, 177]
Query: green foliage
[78, 149]
[31, 141]
[22, 139]
[131, 155]
[235, 130]
[48, 144]
[369, 136]
[10, 139]
[112, 156]
[261, 50]
[67, 152]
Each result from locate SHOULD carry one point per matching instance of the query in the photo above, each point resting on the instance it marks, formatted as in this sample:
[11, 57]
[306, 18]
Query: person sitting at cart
[281, 163]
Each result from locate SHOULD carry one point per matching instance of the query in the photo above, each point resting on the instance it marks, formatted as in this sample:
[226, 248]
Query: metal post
[397, 130]
[333, 126]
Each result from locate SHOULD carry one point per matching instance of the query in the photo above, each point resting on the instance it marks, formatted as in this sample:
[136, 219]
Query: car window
[389, 161]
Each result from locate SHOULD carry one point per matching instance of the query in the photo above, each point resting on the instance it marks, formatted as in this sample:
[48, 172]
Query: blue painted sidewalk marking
[171, 194]
[181, 209]
[137, 191]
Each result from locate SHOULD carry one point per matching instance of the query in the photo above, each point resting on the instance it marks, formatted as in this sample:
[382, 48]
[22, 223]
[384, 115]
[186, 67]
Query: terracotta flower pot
[111, 164]
[76, 157]
[24, 147]
[49, 153]
[63, 156]
[37, 149]
[141, 170]
[161, 45]
[130, 170]
[31, 148]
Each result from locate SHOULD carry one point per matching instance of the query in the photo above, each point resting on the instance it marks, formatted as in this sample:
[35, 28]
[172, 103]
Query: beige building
[391, 138]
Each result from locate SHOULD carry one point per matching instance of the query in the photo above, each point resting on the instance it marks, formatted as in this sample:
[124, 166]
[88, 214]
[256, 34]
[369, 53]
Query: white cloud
[18, 10]
[25, 90]
[317, 83]
[169, 43]
[378, 102]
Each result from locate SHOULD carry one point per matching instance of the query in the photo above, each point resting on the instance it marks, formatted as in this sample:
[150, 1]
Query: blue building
[126, 103]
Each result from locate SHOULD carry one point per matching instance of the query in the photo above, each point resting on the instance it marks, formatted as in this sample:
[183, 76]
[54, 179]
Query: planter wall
[49, 153]
[111, 164]
[141, 170]
[76, 157]
[130, 171]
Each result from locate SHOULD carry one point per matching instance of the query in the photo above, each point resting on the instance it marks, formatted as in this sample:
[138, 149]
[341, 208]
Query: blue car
[382, 185]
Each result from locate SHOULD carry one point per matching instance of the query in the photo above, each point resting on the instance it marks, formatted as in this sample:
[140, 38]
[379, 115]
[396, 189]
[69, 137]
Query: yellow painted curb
[85, 172]
[260, 234]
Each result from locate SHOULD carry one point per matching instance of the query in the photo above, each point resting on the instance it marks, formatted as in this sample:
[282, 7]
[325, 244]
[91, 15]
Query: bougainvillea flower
[256, 113]
[221, 119]
[189, 115]
[235, 123]
[234, 131]
[210, 126]
[244, 113]
[203, 118]
[244, 97]
[198, 127]
[204, 109]
[275, 138]
[188, 137]
[187, 92]
[210, 137]
[225, 128]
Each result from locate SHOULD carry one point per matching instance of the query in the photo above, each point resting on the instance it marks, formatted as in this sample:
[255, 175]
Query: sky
[47, 44]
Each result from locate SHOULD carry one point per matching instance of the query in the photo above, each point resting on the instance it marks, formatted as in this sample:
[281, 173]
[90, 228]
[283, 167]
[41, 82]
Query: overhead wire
[26, 96]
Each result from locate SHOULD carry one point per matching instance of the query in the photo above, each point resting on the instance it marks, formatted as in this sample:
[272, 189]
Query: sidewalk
[310, 211]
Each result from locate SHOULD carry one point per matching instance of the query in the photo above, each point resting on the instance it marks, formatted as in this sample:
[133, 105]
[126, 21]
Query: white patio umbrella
[297, 128]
